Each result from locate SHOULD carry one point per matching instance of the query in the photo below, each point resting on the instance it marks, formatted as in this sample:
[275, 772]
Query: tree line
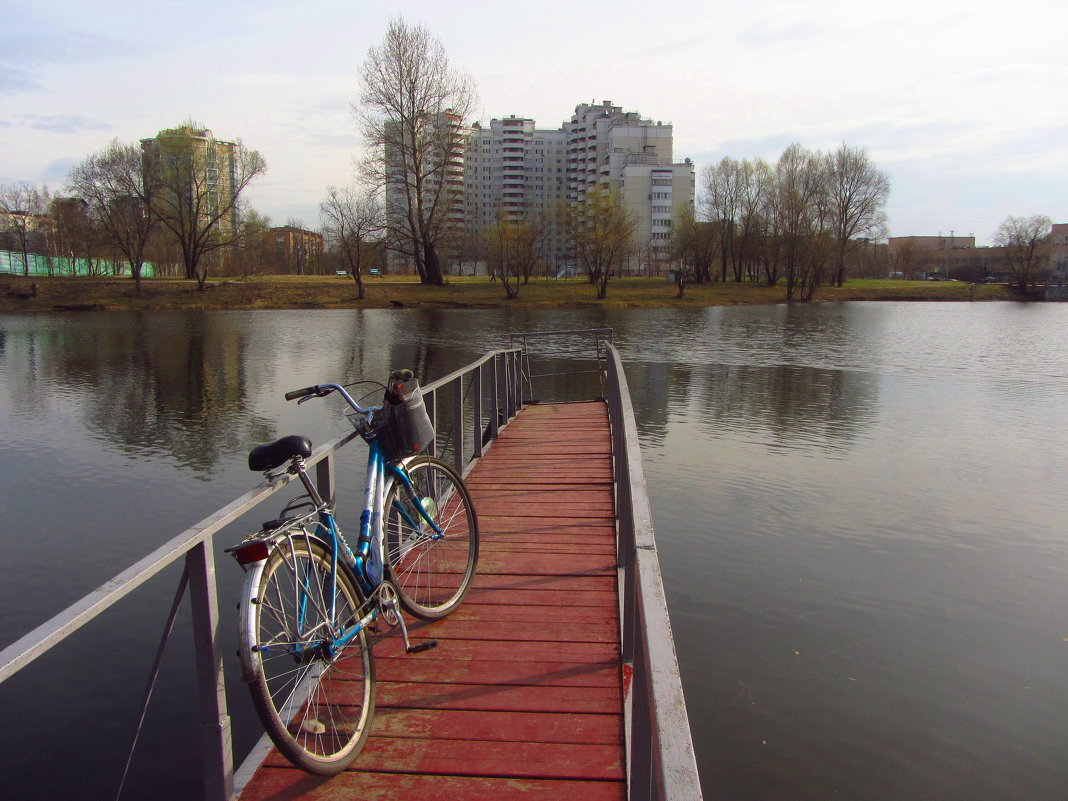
[800, 221]
[796, 221]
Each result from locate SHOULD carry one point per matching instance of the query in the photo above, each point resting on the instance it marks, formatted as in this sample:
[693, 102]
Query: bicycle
[310, 602]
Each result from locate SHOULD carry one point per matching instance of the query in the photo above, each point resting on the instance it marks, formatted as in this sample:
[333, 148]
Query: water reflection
[858, 513]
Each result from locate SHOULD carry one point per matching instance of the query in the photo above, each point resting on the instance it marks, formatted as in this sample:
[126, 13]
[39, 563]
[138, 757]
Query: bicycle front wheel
[315, 701]
[430, 565]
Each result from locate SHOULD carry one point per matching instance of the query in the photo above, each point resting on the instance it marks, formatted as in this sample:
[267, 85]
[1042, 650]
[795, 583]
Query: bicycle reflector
[251, 551]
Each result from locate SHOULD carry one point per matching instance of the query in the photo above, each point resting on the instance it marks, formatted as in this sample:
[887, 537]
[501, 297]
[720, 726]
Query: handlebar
[302, 393]
[322, 390]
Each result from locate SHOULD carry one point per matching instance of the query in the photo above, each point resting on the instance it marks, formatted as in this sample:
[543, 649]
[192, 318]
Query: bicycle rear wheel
[432, 570]
[315, 705]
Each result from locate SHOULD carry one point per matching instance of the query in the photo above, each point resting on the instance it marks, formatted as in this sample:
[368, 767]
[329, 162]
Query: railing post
[476, 412]
[458, 424]
[518, 381]
[430, 399]
[640, 772]
[513, 385]
[324, 479]
[218, 754]
[495, 410]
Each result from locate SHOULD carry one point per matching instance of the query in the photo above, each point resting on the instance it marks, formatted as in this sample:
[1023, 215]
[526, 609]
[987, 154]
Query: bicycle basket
[403, 426]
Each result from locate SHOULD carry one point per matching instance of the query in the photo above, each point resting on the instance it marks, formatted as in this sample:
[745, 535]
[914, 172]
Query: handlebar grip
[301, 393]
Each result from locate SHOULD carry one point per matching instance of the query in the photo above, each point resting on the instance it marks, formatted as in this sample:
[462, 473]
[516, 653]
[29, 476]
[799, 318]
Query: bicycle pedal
[425, 645]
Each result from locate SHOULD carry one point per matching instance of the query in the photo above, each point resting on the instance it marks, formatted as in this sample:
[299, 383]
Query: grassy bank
[330, 292]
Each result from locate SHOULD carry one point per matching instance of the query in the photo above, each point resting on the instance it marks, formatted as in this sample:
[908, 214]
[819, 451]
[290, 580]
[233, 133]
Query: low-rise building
[289, 250]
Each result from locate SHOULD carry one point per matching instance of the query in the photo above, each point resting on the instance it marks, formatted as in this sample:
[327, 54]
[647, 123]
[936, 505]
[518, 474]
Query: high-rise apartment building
[196, 166]
[621, 151]
[513, 168]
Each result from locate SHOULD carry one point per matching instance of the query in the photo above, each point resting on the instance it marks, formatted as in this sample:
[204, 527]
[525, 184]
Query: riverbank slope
[331, 292]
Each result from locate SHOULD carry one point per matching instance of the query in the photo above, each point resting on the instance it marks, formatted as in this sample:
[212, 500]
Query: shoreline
[67, 294]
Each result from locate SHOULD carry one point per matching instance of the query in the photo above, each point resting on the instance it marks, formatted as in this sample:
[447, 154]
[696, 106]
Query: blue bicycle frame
[367, 560]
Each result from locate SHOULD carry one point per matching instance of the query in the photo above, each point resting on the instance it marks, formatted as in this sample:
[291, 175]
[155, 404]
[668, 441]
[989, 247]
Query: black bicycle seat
[275, 454]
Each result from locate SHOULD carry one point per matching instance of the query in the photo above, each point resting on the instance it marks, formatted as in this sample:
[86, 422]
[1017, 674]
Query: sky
[962, 103]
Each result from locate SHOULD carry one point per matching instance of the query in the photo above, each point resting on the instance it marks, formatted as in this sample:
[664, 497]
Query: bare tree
[119, 200]
[755, 193]
[72, 234]
[23, 205]
[1024, 241]
[513, 247]
[857, 193]
[602, 235]
[247, 251]
[196, 183]
[801, 214]
[905, 259]
[412, 112]
[722, 185]
[354, 224]
[693, 246]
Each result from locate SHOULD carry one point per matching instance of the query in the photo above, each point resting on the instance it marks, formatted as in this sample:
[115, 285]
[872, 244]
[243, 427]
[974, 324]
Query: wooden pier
[524, 697]
[556, 679]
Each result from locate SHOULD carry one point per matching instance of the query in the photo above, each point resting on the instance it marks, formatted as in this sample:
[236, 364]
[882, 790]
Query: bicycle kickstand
[393, 612]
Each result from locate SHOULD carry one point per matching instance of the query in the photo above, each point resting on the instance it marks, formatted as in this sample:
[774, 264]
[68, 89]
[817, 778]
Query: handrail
[504, 387]
[660, 758]
[600, 336]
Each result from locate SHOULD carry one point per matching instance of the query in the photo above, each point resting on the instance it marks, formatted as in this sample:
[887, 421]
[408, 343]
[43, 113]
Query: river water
[859, 510]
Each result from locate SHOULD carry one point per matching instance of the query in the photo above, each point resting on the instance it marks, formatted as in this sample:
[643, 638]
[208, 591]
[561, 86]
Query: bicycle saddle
[275, 454]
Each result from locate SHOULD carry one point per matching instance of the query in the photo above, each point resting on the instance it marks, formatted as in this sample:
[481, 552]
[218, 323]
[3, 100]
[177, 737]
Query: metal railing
[660, 758]
[597, 338]
[493, 381]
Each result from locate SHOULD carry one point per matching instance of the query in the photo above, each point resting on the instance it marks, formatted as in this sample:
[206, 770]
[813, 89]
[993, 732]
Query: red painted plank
[276, 784]
[506, 698]
[532, 727]
[540, 564]
[517, 581]
[520, 674]
[491, 759]
[595, 652]
[525, 632]
[562, 612]
[495, 523]
[494, 527]
[533, 597]
[536, 545]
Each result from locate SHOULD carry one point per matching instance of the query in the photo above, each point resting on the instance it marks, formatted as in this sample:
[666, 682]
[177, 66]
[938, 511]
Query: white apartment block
[627, 153]
[513, 168]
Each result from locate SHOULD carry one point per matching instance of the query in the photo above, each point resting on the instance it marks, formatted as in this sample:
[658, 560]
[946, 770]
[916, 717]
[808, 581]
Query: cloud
[14, 79]
[673, 48]
[63, 124]
[57, 171]
[78, 48]
[766, 32]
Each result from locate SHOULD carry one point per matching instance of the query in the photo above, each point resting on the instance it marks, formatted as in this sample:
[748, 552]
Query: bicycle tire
[432, 573]
[316, 709]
